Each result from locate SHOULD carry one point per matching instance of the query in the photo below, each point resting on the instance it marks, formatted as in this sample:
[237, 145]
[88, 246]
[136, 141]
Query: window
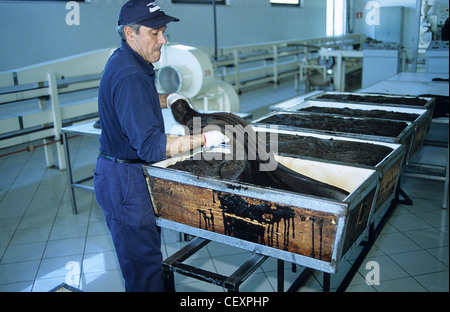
[336, 12]
[199, 1]
[287, 2]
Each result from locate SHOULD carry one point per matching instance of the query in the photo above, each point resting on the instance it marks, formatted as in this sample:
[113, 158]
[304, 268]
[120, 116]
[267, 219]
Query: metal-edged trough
[404, 133]
[376, 99]
[390, 163]
[420, 117]
[310, 231]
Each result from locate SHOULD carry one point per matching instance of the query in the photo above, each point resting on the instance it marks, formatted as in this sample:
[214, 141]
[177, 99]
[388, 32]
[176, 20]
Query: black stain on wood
[249, 221]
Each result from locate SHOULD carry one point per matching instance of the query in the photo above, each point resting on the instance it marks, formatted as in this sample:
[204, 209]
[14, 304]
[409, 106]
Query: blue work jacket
[129, 109]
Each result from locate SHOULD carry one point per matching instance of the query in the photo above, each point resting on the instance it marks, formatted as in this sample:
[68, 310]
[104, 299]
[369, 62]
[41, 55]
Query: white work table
[415, 84]
[87, 129]
[417, 77]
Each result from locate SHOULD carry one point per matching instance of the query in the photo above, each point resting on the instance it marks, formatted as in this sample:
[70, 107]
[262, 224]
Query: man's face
[147, 42]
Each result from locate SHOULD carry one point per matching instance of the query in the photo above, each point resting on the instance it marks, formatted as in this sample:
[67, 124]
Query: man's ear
[129, 33]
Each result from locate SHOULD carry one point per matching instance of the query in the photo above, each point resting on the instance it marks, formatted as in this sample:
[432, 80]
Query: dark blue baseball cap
[147, 13]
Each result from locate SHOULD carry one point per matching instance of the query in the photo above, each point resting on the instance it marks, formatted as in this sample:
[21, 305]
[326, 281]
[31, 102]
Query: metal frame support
[56, 115]
[280, 268]
[69, 172]
[174, 264]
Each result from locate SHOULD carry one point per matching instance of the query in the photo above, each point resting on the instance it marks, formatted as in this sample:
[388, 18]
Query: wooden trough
[376, 99]
[420, 117]
[390, 175]
[359, 128]
[307, 230]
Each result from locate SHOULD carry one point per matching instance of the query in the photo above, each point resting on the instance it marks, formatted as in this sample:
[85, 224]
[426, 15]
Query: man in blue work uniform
[133, 134]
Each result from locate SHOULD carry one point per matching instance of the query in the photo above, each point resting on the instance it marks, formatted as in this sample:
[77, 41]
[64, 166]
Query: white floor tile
[436, 218]
[77, 230]
[65, 216]
[440, 253]
[97, 228]
[434, 282]
[418, 262]
[5, 237]
[99, 243]
[34, 235]
[23, 252]
[18, 271]
[17, 287]
[388, 269]
[13, 210]
[395, 243]
[406, 284]
[360, 288]
[106, 281]
[227, 265]
[64, 247]
[63, 266]
[9, 224]
[173, 246]
[408, 222]
[423, 205]
[257, 282]
[99, 262]
[311, 285]
[428, 238]
[37, 221]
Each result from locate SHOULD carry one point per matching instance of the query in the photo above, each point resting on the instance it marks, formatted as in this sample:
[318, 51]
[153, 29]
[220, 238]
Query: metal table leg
[326, 282]
[445, 200]
[280, 268]
[69, 173]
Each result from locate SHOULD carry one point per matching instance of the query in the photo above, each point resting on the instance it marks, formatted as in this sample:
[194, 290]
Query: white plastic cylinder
[185, 70]
[174, 79]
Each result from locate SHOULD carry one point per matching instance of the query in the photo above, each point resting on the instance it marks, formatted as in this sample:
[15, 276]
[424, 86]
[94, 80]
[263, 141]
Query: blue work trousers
[121, 191]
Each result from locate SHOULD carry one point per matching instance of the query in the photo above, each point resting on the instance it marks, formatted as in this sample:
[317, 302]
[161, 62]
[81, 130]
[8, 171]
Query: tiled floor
[42, 244]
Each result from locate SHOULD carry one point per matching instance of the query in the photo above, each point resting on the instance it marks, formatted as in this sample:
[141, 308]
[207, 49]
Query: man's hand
[214, 138]
[173, 97]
